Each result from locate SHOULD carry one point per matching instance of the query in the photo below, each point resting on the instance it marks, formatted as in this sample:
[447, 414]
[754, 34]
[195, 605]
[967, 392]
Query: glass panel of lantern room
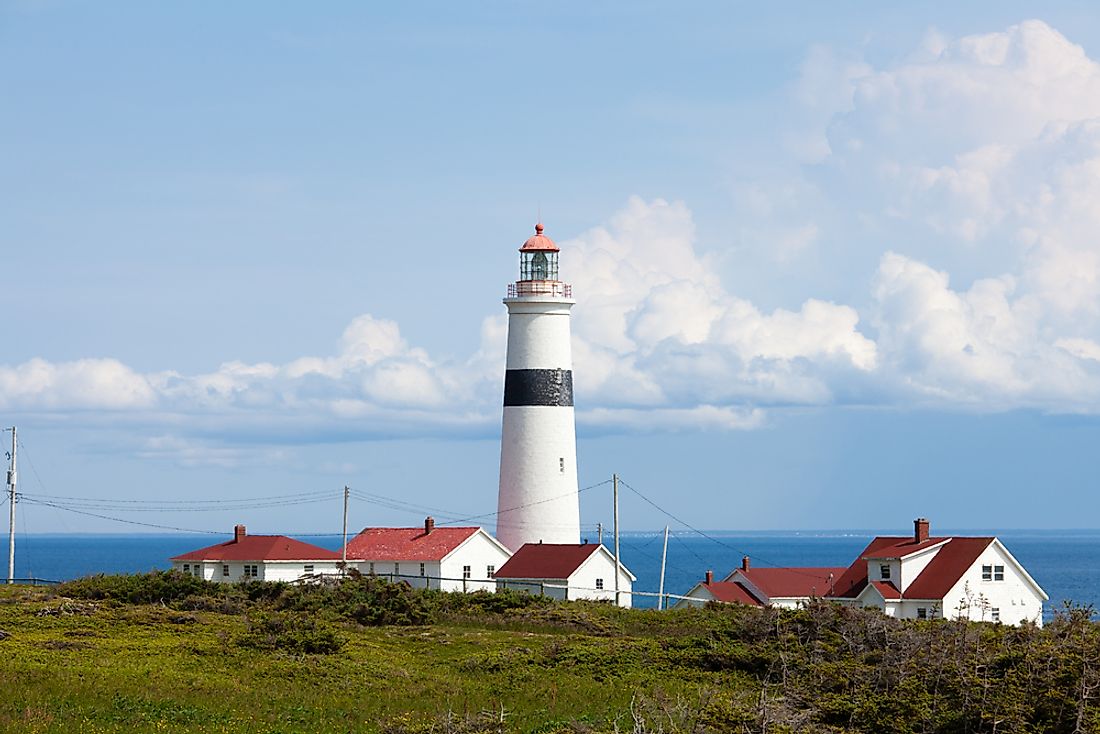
[538, 265]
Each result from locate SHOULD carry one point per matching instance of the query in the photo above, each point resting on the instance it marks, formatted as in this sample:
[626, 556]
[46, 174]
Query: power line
[153, 503]
[713, 539]
[122, 520]
[529, 504]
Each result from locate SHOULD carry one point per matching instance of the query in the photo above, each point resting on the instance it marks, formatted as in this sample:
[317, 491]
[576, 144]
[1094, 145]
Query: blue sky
[835, 265]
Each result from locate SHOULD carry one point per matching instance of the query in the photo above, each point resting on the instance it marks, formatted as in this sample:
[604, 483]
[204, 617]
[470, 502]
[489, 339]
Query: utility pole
[661, 589]
[618, 564]
[11, 511]
[344, 551]
[599, 533]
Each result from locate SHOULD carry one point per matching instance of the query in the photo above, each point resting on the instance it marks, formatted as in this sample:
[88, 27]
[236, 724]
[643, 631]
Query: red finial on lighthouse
[539, 241]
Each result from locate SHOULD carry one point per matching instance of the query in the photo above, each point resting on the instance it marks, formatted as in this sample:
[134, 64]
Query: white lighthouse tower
[538, 448]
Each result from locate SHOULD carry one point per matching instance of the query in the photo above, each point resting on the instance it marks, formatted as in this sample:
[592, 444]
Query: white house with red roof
[260, 557]
[445, 558]
[922, 576]
[911, 577]
[788, 588]
[567, 571]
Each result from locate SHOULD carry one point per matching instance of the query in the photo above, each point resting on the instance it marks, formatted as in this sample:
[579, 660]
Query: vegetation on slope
[167, 652]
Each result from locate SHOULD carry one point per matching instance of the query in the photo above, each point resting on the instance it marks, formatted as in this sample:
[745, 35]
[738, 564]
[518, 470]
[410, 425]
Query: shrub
[148, 588]
[367, 600]
[296, 633]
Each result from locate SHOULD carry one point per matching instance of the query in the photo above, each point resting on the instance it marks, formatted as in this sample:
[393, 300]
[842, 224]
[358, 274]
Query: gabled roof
[951, 561]
[731, 592]
[783, 583]
[854, 578]
[945, 570]
[261, 548]
[407, 544]
[547, 560]
[887, 589]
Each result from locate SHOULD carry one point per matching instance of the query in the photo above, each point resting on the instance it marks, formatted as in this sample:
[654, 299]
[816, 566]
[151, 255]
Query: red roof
[942, 572]
[731, 592]
[261, 548]
[539, 242]
[887, 589]
[791, 582]
[546, 560]
[854, 578]
[407, 544]
[945, 570]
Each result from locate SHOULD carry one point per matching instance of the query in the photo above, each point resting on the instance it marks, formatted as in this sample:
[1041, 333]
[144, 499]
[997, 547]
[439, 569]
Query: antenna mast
[11, 511]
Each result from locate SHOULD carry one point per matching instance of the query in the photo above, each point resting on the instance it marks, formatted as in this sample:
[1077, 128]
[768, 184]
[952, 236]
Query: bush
[296, 633]
[367, 600]
[148, 588]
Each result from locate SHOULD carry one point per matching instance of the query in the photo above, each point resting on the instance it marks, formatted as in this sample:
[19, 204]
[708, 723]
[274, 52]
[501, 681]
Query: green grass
[278, 659]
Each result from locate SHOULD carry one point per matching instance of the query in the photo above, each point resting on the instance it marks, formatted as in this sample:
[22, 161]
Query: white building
[921, 576]
[260, 557]
[538, 498]
[445, 558]
[788, 588]
[911, 577]
[566, 571]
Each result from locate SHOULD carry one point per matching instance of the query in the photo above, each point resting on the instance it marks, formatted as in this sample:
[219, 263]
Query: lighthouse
[538, 499]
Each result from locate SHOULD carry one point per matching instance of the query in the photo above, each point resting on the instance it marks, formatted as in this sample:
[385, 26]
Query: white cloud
[85, 384]
[979, 153]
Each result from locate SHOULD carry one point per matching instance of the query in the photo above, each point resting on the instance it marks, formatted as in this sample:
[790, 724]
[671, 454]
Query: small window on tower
[561, 465]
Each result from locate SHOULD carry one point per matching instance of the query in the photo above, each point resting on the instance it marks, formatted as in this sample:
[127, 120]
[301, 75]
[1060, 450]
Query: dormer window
[884, 572]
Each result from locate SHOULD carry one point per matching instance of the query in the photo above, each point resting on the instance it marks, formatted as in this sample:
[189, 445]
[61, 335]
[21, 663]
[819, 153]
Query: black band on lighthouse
[538, 387]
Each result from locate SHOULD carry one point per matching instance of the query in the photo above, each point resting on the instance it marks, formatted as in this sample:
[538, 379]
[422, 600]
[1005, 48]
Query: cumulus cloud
[656, 326]
[979, 153]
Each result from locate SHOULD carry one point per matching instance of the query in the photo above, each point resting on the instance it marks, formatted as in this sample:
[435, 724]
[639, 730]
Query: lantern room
[538, 258]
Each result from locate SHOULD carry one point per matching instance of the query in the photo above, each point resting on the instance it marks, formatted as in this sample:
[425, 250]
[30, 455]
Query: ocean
[1066, 563]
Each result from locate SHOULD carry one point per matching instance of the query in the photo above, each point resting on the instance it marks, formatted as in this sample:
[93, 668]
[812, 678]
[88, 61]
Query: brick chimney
[920, 530]
[238, 533]
[744, 563]
[710, 578]
[429, 524]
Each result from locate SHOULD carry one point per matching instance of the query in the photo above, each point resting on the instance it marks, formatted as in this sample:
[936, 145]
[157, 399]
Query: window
[922, 613]
[995, 614]
[225, 569]
[561, 465]
[466, 572]
[370, 567]
[308, 568]
[421, 569]
[251, 571]
[187, 568]
[884, 571]
[987, 573]
[599, 583]
[998, 573]
[396, 569]
[198, 571]
[490, 571]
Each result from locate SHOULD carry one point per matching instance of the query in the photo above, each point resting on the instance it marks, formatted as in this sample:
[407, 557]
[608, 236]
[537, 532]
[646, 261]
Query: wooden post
[661, 590]
[618, 563]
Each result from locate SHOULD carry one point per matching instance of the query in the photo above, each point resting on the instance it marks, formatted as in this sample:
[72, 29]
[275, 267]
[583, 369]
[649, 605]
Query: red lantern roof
[539, 242]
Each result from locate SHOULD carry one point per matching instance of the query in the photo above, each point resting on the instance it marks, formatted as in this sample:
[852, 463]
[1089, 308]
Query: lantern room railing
[540, 288]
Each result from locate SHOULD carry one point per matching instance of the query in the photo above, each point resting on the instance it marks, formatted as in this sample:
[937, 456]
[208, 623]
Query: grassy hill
[165, 652]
